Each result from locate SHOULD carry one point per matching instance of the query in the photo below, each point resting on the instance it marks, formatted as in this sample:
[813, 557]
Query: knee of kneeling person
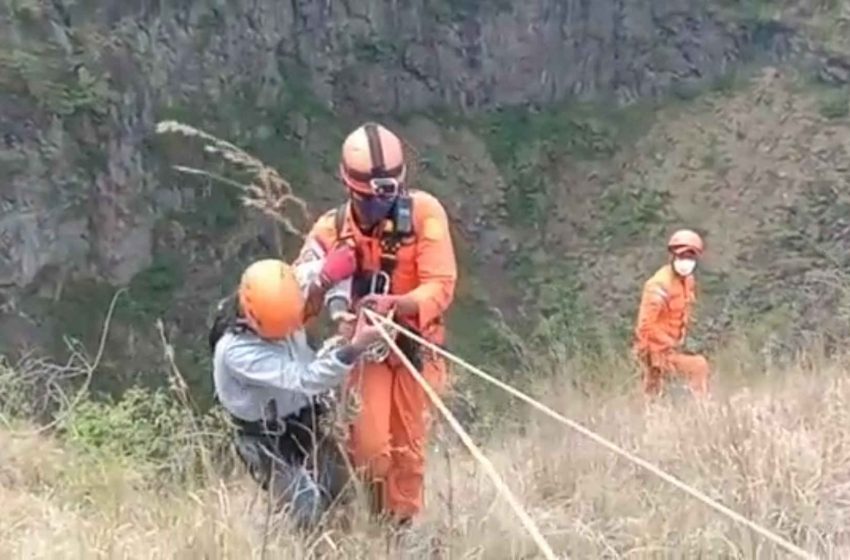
[306, 511]
[300, 496]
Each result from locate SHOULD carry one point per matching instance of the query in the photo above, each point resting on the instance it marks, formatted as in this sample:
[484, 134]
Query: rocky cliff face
[87, 196]
[390, 57]
[83, 84]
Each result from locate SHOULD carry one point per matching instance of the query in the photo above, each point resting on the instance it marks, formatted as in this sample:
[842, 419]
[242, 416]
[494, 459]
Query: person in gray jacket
[268, 378]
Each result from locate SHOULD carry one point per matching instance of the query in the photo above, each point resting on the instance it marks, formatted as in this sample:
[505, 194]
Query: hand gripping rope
[382, 323]
[378, 352]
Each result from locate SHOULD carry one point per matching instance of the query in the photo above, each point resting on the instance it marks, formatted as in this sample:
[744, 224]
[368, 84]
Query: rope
[766, 533]
[476, 452]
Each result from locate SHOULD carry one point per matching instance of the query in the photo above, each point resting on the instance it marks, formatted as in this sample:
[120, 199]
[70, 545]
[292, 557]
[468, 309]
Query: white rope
[476, 452]
[766, 533]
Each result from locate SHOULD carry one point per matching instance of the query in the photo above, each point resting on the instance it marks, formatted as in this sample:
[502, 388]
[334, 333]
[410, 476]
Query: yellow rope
[766, 533]
[476, 452]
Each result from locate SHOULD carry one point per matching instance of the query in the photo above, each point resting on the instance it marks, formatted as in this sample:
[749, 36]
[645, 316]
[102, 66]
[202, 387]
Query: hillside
[775, 451]
[565, 139]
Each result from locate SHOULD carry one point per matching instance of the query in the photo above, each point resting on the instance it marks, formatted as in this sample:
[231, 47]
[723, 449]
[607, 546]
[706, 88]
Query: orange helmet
[270, 298]
[684, 241]
[371, 153]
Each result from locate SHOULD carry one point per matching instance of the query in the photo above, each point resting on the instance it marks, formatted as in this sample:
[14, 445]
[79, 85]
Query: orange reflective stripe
[322, 233]
[659, 292]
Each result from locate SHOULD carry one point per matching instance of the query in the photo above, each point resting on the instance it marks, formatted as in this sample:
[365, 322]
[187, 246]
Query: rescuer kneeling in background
[665, 311]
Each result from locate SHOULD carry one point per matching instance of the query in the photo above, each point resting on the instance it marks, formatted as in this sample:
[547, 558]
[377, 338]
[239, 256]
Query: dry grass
[778, 451]
[262, 188]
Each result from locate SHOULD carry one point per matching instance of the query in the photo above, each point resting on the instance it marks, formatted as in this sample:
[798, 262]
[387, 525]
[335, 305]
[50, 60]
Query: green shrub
[632, 212]
[15, 400]
[152, 289]
[835, 105]
[143, 425]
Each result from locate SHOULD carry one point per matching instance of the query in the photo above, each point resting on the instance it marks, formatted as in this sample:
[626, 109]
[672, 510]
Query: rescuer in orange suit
[663, 319]
[403, 235]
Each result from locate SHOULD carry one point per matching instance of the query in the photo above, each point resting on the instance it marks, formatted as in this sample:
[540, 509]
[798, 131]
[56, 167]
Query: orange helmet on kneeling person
[270, 299]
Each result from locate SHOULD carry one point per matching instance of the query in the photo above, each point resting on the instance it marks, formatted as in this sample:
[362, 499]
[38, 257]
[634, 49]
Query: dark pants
[301, 467]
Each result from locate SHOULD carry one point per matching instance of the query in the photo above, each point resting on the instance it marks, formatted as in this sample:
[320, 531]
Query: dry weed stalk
[268, 192]
[781, 450]
[179, 387]
[44, 382]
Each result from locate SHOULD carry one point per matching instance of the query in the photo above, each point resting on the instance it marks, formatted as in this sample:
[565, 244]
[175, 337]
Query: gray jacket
[252, 374]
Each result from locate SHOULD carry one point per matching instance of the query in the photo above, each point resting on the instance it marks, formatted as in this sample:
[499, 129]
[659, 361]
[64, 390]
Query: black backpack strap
[399, 229]
[226, 319]
[223, 319]
[339, 219]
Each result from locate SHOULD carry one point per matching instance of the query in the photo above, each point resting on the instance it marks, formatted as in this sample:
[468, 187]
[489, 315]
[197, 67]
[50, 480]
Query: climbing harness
[396, 230]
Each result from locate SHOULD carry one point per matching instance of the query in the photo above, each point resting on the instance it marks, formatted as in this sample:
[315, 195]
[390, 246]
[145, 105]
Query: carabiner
[379, 351]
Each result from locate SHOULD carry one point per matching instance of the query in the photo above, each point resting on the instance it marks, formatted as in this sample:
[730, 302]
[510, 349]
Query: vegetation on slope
[144, 478]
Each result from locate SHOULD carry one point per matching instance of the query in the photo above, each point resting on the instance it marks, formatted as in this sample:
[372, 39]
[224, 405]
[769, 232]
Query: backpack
[225, 319]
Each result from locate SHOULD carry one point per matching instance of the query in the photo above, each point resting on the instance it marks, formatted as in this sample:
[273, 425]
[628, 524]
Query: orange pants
[657, 366]
[388, 437]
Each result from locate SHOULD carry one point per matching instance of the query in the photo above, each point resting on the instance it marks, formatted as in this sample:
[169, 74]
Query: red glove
[339, 264]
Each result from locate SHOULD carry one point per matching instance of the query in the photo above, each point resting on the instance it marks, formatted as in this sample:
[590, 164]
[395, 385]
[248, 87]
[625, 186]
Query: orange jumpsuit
[662, 323]
[387, 439]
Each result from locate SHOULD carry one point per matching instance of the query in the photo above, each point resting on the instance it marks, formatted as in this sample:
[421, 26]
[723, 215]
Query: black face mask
[370, 210]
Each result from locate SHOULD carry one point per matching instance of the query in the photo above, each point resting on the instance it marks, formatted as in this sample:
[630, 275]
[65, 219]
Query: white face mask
[684, 267]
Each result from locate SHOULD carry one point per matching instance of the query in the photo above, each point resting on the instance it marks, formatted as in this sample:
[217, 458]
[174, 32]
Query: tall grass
[776, 448]
[148, 477]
